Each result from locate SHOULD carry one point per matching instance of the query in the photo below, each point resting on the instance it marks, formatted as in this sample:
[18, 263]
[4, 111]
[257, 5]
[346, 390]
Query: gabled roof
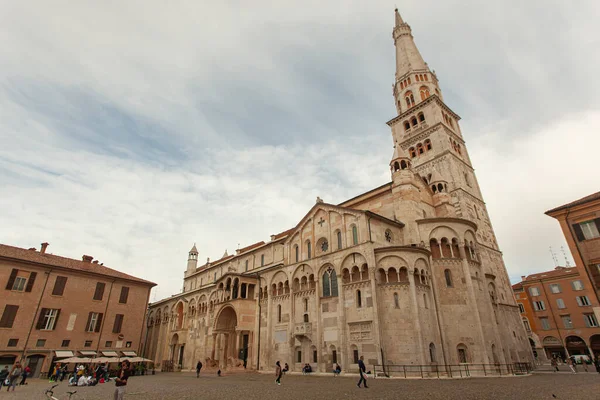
[252, 246]
[283, 234]
[51, 260]
[316, 206]
[583, 200]
[555, 273]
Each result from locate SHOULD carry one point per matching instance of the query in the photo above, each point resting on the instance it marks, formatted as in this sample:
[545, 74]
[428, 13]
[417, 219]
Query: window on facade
[555, 288]
[534, 291]
[215, 277]
[330, 286]
[12, 342]
[47, 319]
[118, 323]
[577, 285]
[19, 284]
[339, 240]
[305, 317]
[88, 343]
[560, 303]
[527, 326]
[432, 356]
[566, 319]
[128, 344]
[396, 301]
[545, 323]
[99, 292]
[334, 357]
[279, 313]
[124, 295]
[354, 235]
[94, 322]
[299, 356]
[314, 356]
[462, 354]
[246, 265]
[587, 230]
[358, 299]
[539, 305]
[21, 280]
[521, 308]
[583, 301]
[448, 276]
[355, 356]
[8, 316]
[108, 343]
[65, 343]
[425, 301]
[40, 343]
[59, 286]
[308, 249]
[305, 305]
[590, 320]
[297, 253]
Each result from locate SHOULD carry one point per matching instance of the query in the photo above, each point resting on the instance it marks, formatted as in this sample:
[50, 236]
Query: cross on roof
[321, 222]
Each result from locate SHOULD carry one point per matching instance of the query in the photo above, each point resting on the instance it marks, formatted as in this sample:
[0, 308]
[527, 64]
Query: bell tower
[192, 262]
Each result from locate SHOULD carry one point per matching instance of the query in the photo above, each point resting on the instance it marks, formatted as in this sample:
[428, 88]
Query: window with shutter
[99, 323]
[11, 279]
[59, 286]
[8, 316]
[42, 317]
[118, 323]
[124, 295]
[31, 281]
[99, 293]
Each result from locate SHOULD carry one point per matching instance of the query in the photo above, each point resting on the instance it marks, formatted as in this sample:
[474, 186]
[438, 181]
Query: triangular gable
[320, 206]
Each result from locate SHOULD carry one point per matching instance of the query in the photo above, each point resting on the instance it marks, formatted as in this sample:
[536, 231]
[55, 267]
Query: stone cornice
[447, 219]
[411, 249]
[421, 105]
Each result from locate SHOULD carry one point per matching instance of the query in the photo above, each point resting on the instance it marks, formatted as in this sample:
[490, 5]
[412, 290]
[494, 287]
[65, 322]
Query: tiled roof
[52, 260]
[583, 200]
[252, 246]
[559, 271]
[518, 286]
[283, 234]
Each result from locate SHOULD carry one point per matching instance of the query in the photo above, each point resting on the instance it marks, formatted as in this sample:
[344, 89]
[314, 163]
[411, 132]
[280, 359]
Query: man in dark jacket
[198, 368]
[362, 371]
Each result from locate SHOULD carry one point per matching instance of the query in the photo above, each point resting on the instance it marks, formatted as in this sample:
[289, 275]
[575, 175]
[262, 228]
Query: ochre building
[557, 308]
[55, 307]
[406, 273]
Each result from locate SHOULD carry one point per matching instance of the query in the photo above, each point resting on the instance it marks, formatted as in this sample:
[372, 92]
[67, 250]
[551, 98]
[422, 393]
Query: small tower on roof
[441, 198]
[192, 263]
[400, 160]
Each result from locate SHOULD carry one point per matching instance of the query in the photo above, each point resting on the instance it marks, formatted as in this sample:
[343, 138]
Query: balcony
[303, 329]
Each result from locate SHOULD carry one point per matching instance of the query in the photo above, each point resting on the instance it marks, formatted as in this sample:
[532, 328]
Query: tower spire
[399, 20]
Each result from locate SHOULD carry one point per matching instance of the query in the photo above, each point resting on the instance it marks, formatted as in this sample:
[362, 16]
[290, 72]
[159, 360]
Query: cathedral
[408, 273]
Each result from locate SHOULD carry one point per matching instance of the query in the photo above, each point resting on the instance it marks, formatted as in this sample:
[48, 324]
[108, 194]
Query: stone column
[341, 349]
[236, 348]
[416, 318]
[473, 300]
[372, 268]
[214, 347]
[317, 342]
[291, 325]
[268, 345]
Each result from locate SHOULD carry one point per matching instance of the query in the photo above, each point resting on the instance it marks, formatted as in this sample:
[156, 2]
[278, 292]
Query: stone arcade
[407, 273]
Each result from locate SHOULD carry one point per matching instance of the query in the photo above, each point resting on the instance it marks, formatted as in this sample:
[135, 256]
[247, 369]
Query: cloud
[130, 131]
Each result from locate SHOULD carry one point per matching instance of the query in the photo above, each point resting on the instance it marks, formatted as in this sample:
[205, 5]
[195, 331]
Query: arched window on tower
[339, 240]
[308, 249]
[358, 299]
[428, 144]
[279, 313]
[410, 99]
[424, 92]
[414, 121]
[406, 125]
[296, 251]
[421, 117]
[396, 301]
[448, 276]
[412, 152]
[354, 235]
[420, 149]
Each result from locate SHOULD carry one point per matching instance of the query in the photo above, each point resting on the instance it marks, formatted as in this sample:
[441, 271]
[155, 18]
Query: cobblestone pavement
[250, 386]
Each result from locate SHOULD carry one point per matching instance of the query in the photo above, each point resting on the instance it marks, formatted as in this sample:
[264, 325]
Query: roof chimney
[44, 247]
[95, 262]
[31, 248]
[523, 277]
[87, 259]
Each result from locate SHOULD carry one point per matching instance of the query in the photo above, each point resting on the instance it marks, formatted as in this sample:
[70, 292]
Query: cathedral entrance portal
[226, 339]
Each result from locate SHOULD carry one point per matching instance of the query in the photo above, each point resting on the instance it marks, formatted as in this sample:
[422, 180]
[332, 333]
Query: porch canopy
[82, 360]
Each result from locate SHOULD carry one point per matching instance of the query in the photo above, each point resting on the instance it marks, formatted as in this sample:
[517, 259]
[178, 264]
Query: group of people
[10, 377]
[306, 369]
[572, 363]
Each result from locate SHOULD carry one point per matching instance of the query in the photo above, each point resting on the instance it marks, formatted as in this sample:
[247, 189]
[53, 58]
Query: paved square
[253, 386]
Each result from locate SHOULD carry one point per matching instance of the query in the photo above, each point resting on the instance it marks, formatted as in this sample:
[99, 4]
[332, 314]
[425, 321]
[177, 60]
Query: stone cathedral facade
[406, 273]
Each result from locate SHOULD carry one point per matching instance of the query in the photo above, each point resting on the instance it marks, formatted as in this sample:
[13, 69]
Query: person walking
[3, 375]
[362, 370]
[597, 363]
[121, 380]
[278, 373]
[14, 375]
[26, 372]
[554, 364]
[571, 364]
[198, 368]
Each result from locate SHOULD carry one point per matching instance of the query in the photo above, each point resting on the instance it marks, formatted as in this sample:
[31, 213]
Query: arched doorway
[595, 344]
[226, 341]
[553, 348]
[179, 316]
[35, 362]
[576, 345]
[176, 351]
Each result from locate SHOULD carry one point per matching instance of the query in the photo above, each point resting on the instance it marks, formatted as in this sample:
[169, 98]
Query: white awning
[129, 353]
[63, 353]
[110, 354]
[87, 352]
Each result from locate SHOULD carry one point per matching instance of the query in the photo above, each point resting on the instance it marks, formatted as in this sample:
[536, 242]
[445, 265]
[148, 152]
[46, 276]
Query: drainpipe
[23, 354]
[105, 317]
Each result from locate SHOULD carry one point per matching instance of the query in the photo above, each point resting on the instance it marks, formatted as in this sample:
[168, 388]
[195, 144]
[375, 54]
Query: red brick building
[529, 320]
[54, 307]
[558, 306]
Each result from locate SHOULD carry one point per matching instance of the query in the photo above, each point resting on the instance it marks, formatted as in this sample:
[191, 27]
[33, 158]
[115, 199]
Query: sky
[131, 130]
